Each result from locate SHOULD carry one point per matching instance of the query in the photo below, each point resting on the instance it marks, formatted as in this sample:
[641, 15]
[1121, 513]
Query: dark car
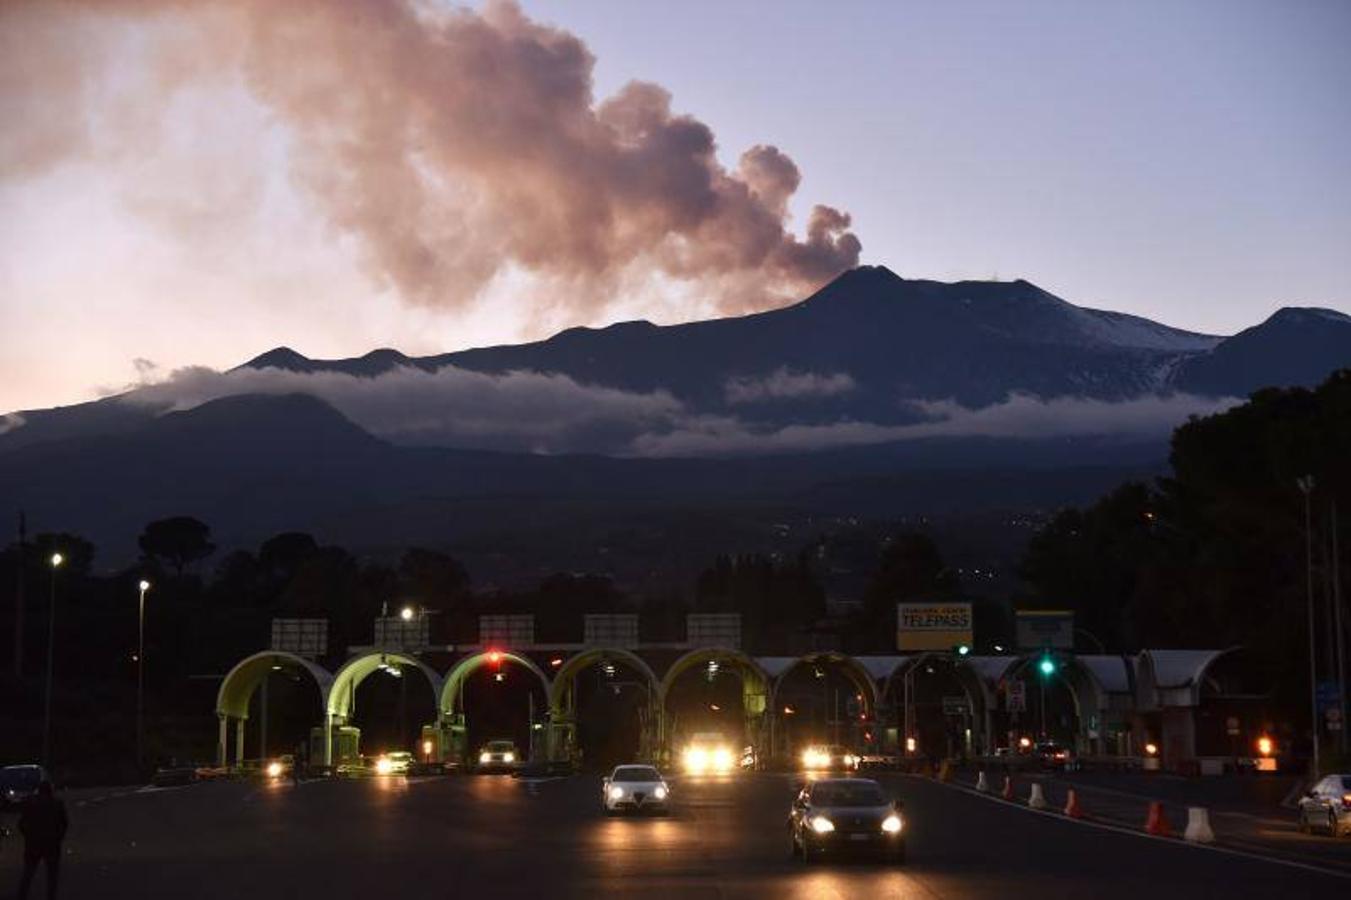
[836, 816]
[1054, 756]
[18, 783]
[1327, 805]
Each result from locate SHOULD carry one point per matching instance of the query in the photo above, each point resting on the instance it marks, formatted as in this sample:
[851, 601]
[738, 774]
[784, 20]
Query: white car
[635, 789]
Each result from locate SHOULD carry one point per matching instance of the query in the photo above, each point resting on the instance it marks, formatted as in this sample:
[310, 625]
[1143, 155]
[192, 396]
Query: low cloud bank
[519, 411]
[785, 384]
[1020, 416]
[551, 413]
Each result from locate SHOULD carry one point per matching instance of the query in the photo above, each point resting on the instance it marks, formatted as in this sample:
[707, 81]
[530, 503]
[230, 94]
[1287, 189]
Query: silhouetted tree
[178, 541]
[282, 554]
[431, 578]
[1214, 555]
[911, 569]
[775, 599]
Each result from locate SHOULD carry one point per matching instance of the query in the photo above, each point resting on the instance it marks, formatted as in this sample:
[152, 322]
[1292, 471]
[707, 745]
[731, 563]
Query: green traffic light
[963, 650]
[1047, 665]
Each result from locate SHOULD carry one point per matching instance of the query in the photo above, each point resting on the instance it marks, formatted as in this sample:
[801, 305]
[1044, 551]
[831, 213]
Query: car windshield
[635, 773]
[848, 793]
[19, 778]
[501, 746]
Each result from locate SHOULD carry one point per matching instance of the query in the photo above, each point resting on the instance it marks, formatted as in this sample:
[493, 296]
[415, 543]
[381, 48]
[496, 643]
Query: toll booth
[433, 744]
[346, 746]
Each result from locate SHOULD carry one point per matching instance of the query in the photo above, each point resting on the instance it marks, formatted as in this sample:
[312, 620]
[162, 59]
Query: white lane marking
[1119, 829]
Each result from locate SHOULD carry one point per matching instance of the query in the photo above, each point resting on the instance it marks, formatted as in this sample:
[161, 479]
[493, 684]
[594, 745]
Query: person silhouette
[43, 824]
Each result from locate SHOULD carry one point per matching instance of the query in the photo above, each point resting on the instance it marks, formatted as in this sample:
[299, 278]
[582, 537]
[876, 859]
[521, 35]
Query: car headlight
[484, 758]
[892, 824]
[722, 759]
[383, 766]
[274, 769]
[660, 792]
[696, 759]
[821, 825]
[616, 792]
[508, 757]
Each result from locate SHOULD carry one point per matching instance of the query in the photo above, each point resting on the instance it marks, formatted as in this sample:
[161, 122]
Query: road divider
[1072, 807]
[1156, 822]
[982, 784]
[1198, 826]
[1037, 798]
[1158, 828]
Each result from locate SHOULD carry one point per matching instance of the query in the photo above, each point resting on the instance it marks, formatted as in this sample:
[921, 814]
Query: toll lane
[502, 837]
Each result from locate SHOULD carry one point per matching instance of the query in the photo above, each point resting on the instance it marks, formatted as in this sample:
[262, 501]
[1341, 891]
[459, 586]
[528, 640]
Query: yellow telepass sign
[932, 626]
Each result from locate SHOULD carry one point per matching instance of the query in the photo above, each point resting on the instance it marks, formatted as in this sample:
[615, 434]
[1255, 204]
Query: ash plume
[454, 147]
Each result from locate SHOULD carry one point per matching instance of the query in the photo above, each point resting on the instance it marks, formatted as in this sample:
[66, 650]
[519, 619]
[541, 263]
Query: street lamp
[1305, 485]
[406, 614]
[143, 586]
[56, 560]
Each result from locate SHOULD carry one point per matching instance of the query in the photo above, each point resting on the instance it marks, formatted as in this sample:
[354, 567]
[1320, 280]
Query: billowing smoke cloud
[551, 413]
[456, 146]
[785, 384]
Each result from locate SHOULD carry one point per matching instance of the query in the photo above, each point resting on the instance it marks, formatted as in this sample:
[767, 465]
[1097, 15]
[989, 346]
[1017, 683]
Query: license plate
[859, 837]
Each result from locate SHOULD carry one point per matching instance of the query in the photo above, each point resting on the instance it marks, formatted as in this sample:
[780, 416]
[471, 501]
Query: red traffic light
[494, 656]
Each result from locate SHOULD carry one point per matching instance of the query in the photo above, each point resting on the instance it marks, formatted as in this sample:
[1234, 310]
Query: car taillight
[1346, 801]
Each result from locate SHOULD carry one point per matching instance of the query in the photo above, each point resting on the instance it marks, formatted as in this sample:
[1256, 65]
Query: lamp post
[1305, 485]
[143, 586]
[55, 560]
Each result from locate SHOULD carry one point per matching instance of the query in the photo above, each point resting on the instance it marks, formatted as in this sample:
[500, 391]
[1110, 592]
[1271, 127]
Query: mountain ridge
[869, 349]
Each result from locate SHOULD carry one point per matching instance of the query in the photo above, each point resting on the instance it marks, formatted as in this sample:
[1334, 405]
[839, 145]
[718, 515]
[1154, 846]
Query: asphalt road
[495, 836]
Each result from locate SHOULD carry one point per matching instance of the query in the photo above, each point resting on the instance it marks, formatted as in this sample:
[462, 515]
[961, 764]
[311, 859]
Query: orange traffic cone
[1007, 793]
[1072, 808]
[1157, 822]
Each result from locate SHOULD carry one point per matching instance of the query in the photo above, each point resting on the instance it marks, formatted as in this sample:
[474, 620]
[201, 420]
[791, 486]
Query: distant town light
[406, 614]
[57, 559]
[1264, 745]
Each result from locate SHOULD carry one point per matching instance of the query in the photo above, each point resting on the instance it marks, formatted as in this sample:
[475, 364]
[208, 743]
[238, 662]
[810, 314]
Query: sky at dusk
[195, 188]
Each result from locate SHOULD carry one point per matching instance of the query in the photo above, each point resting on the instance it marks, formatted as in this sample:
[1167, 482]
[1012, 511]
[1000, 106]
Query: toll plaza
[928, 703]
